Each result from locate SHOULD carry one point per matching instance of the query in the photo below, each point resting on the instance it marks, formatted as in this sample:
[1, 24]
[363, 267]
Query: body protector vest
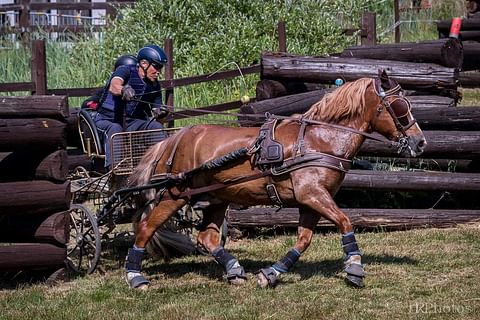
[146, 91]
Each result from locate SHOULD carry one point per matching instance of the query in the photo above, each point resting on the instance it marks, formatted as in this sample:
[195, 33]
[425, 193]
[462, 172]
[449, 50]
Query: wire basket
[128, 148]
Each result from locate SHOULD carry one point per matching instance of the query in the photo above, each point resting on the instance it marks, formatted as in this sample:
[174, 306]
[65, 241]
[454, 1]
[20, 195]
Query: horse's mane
[346, 102]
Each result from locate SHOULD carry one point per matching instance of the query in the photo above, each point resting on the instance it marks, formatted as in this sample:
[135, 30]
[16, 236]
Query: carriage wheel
[83, 248]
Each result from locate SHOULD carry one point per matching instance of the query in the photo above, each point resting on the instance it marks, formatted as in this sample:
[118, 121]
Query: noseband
[398, 107]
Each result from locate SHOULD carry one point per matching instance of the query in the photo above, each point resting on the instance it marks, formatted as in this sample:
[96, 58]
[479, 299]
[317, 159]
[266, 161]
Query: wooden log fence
[447, 52]
[37, 133]
[44, 228]
[432, 112]
[35, 195]
[33, 164]
[440, 145]
[32, 256]
[391, 219]
[411, 181]
[38, 106]
[325, 70]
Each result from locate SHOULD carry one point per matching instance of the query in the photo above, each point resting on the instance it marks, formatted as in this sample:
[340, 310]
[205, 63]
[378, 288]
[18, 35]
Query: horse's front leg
[145, 229]
[323, 204]
[268, 277]
[209, 239]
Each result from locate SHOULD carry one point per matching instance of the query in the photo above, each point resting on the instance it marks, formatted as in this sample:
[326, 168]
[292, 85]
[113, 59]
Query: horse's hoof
[237, 281]
[266, 278]
[143, 287]
[262, 281]
[135, 280]
[354, 281]
[236, 276]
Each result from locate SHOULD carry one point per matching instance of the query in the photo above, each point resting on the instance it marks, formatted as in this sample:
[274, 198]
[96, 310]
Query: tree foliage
[209, 34]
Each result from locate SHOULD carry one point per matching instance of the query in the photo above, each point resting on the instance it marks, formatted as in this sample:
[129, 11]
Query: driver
[132, 97]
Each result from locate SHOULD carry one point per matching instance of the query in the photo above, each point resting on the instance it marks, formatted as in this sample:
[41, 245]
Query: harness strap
[169, 162]
[308, 160]
[365, 134]
[300, 144]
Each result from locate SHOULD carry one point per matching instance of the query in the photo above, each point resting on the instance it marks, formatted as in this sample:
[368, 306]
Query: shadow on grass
[326, 268]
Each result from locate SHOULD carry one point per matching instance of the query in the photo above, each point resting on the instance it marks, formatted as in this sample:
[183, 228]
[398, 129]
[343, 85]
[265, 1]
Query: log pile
[470, 29]
[410, 75]
[389, 219]
[34, 191]
[430, 74]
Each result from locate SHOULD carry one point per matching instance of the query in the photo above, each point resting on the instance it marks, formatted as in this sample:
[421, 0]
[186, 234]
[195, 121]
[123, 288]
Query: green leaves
[208, 34]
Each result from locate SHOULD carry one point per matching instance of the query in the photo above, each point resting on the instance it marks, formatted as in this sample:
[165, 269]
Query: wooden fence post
[168, 45]
[39, 67]
[396, 10]
[24, 21]
[368, 35]
[282, 37]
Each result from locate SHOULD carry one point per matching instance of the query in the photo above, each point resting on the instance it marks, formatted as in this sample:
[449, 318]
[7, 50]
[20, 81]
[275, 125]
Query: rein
[273, 116]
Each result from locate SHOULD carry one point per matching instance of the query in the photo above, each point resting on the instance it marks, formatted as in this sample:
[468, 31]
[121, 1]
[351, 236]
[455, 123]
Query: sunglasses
[157, 66]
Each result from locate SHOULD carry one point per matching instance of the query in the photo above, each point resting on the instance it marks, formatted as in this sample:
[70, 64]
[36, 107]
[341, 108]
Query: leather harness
[267, 155]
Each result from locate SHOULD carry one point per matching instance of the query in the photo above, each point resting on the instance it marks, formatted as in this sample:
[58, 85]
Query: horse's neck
[342, 143]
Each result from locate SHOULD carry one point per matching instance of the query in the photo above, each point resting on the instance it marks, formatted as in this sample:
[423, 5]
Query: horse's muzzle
[416, 145]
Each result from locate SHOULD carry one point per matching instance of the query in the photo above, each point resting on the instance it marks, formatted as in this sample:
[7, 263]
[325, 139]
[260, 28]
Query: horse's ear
[384, 79]
[382, 74]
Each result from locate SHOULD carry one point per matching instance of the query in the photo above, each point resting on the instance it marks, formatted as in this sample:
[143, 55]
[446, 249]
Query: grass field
[422, 274]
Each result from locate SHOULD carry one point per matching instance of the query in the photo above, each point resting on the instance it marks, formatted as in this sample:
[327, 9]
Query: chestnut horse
[332, 129]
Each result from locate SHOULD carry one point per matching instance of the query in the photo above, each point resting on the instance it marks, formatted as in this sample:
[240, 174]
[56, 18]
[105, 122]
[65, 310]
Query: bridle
[398, 107]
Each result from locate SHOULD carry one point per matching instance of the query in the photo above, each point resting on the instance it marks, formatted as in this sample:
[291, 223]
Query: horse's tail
[146, 168]
[165, 243]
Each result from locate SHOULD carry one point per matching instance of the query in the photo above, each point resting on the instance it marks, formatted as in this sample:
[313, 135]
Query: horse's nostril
[421, 144]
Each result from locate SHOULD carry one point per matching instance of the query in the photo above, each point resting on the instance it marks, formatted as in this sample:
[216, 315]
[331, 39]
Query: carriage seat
[90, 135]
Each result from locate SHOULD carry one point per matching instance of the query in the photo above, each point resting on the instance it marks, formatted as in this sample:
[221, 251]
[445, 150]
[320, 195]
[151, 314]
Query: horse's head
[393, 118]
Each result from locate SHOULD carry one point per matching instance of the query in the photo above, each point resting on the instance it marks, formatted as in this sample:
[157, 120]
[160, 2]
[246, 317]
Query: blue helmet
[153, 54]
[126, 59]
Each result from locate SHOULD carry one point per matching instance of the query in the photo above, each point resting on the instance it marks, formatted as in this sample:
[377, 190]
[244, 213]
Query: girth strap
[308, 160]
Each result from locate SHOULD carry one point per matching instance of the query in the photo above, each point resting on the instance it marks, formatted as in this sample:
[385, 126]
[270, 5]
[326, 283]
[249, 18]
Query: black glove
[128, 93]
[160, 112]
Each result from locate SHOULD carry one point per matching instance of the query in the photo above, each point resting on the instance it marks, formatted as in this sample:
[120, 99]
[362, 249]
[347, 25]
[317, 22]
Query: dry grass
[421, 274]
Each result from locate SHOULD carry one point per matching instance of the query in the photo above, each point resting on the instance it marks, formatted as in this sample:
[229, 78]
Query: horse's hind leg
[145, 229]
[268, 277]
[209, 239]
[322, 203]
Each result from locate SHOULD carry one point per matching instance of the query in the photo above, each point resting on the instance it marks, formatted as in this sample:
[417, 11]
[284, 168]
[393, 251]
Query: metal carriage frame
[100, 200]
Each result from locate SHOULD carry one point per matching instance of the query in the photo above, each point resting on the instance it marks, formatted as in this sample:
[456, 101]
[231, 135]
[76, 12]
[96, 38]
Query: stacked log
[432, 112]
[34, 191]
[446, 52]
[386, 219]
[470, 29]
[411, 76]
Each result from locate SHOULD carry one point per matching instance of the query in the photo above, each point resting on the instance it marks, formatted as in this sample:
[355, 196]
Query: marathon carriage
[99, 203]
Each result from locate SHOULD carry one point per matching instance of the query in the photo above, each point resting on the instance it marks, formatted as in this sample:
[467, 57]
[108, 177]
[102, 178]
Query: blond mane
[346, 102]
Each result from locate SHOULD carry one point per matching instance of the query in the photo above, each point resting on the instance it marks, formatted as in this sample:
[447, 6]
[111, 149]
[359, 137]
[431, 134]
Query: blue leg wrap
[232, 267]
[224, 258]
[288, 261]
[349, 244]
[133, 262]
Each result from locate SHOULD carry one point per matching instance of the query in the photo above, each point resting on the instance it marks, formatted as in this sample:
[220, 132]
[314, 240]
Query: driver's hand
[128, 93]
[160, 112]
